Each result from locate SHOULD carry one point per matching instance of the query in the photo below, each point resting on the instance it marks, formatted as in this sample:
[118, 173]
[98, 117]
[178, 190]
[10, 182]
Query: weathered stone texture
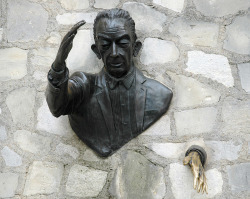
[43, 57]
[239, 176]
[3, 134]
[13, 63]
[1, 34]
[32, 142]
[195, 121]
[106, 4]
[137, 178]
[182, 182]
[189, 92]
[8, 184]
[195, 32]
[219, 8]
[85, 182]
[90, 155]
[238, 35]
[11, 158]
[244, 72]
[211, 66]
[75, 4]
[73, 18]
[161, 127]
[64, 149]
[156, 51]
[236, 116]
[43, 178]
[41, 76]
[54, 38]
[138, 11]
[175, 5]
[21, 103]
[26, 21]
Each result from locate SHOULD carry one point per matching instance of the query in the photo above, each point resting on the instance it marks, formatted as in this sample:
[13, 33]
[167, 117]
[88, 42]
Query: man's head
[115, 41]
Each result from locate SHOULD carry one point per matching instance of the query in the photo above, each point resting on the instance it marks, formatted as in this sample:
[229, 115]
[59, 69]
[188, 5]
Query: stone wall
[198, 48]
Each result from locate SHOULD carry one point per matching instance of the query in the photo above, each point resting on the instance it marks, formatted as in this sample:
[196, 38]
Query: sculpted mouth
[116, 64]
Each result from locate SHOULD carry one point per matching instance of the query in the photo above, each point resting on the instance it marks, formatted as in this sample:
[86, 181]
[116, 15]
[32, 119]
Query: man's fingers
[195, 182]
[68, 41]
[73, 30]
[186, 160]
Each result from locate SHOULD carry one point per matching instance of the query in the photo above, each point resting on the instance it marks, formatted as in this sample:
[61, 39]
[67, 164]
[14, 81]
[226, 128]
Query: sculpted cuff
[202, 153]
[58, 78]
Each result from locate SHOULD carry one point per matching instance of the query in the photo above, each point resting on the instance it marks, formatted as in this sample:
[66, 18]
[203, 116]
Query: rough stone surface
[195, 121]
[138, 178]
[89, 155]
[224, 150]
[26, 21]
[138, 11]
[211, 66]
[3, 134]
[189, 92]
[73, 18]
[85, 182]
[81, 57]
[238, 36]
[41, 76]
[43, 57]
[64, 149]
[54, 38]
[239, 176]
[13, 63]
[236, 116]
[21, 104]
[1, 34]
[244, 72]
[161, 127]
[75, 4]
[11, 158]
[157, 51]
[32, 142]
[195, 32]
[106, 4]
[8, 184]
[175, 5]
[182, 182]
[48, 123]
[43, 178]
[219, 8]
[248, 147]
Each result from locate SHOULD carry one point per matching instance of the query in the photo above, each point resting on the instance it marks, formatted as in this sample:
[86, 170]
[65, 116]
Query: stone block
[8, 184]
[54, 38]
[161, 127]
[238, 35]
[73, 18]
[74, 4]
[43, 57]
[40, 76]
[64, 149]
[244, 72]
[106, 4]
[85, 182]
[195, 33]
[11, 158]
[13, 63]
[90, 155]
[195, 121]
[175, 5]
[138, 11]
[43, 178]
[157, 51]
[138, 178]
[1, 34]
[3, 134]
[215, 67]
[26, 21]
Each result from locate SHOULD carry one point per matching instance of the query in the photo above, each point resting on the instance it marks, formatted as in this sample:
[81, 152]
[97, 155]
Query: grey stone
[32, 142]
[13, 63]
[244, 72]
[189, 92]
[26, 21]
[85, 182]
[182, 182]
[63, 149]
[175, 5]
[157, 51]
[211, 66]
[1, 34]
[75, 4]
[21, 103]
[41, 76]
[3, 134]
[106, 4]
[195, 33]
[43, 178]
[238, 35]
[54, 38]
[11, 158]
[236, 116]
[239, 176]
[195, 121]
[48, 123]
[43, 57]
[161, 127]
[89, 155]
[138, 178]
[138, 11]
[73, 18]
[8, 184]
[224, 150]
[219, 8]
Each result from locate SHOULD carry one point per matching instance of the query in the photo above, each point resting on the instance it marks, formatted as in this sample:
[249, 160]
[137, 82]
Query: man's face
[115, 44]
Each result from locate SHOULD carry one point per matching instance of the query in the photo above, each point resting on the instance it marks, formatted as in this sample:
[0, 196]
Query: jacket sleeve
[64, 94]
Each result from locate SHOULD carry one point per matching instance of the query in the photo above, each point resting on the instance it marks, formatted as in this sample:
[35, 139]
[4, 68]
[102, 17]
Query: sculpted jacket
[85, 99]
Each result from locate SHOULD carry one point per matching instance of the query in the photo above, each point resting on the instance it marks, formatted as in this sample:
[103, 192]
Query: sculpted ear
[137, 48]
[96, 51]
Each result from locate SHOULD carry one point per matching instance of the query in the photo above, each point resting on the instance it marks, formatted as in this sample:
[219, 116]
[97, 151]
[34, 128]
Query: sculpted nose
[114, 50]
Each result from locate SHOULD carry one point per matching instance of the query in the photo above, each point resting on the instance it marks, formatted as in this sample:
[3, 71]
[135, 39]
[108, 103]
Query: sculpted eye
[124, 43]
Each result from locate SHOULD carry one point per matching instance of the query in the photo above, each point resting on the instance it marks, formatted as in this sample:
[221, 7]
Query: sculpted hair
[114, 14]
